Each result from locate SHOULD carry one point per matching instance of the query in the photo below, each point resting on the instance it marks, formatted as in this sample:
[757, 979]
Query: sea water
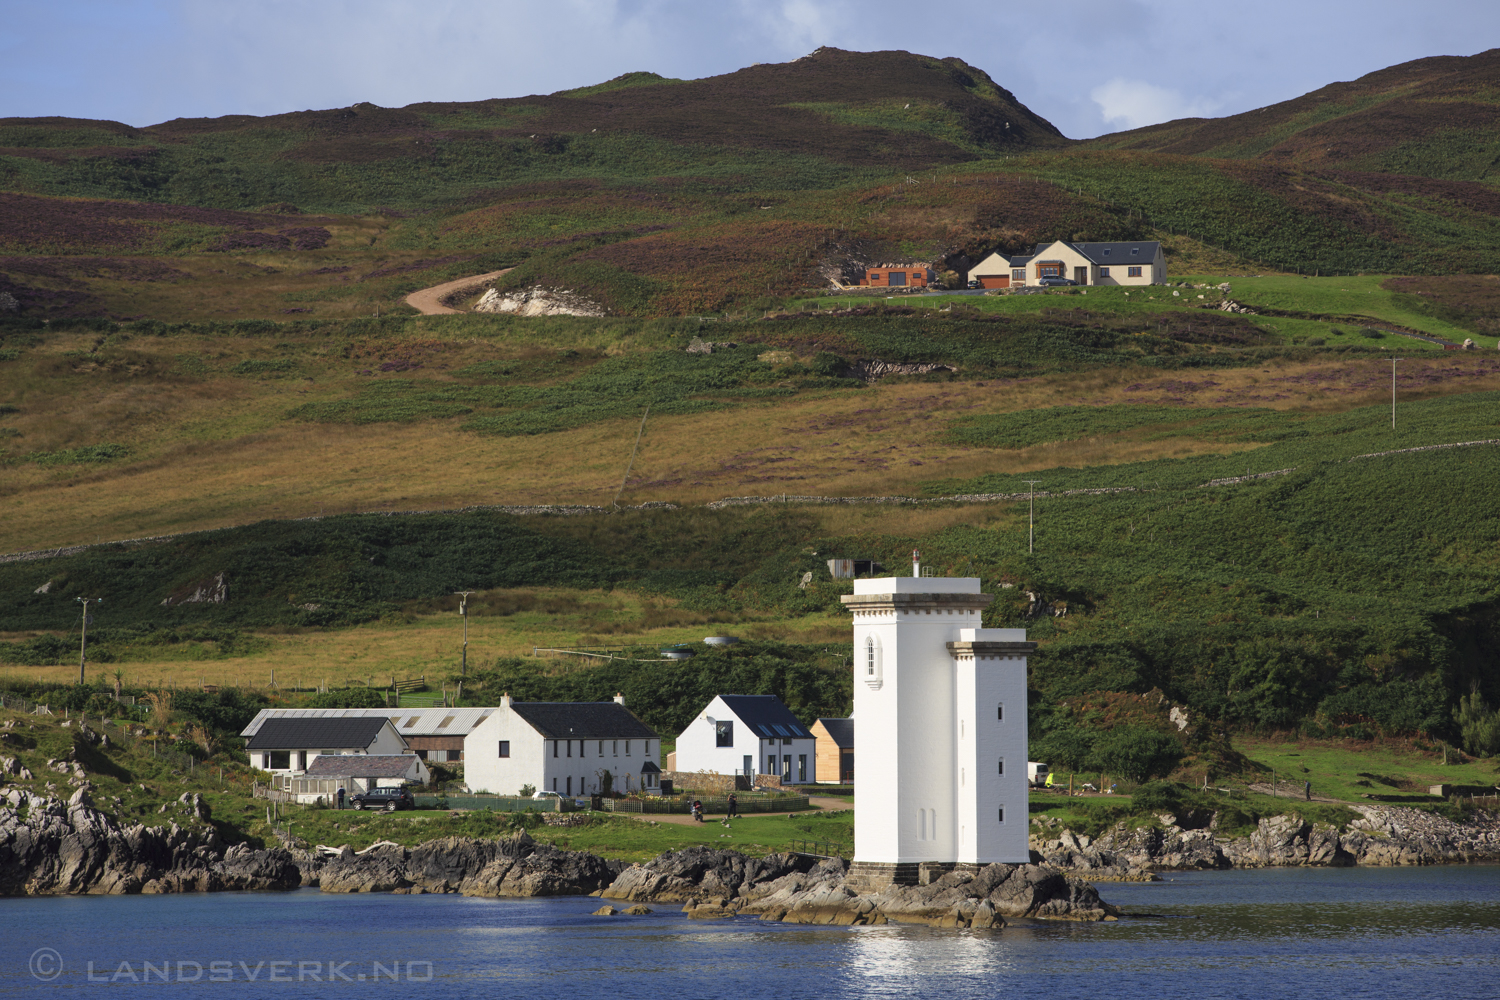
[1304, 933]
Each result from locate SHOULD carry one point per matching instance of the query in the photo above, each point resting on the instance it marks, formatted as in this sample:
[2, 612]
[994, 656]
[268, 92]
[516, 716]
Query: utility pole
[1393, 391]
[1031, 519]
[463, 609]
[83, 643]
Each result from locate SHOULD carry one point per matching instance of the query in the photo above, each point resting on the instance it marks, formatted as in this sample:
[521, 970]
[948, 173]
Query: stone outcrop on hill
[799, 889]
[53, 847]
[1381, 836]
[538, 301]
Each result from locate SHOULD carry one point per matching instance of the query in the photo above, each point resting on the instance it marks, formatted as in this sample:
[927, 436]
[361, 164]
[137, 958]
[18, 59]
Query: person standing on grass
[734, 806]
[341, 796]
[1307, 790]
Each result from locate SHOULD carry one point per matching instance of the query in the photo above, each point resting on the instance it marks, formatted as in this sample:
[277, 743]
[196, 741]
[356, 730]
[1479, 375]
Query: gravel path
[429, 301]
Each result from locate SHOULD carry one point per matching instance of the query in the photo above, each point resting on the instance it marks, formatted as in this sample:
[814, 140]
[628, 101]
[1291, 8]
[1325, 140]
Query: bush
[348, 698]
[1138, 753]
[1478, 724]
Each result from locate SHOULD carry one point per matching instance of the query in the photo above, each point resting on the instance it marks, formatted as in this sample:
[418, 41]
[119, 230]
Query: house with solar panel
[748, 734]
[314, 756]
[433, 734]
[573, 748]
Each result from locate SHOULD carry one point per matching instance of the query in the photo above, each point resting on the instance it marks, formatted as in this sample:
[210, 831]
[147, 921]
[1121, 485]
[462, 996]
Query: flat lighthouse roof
[918, 585]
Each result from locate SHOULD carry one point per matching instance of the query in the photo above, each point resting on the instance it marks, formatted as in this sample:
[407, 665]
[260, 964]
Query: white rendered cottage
[290, 745]
[572, 748]
[748, 734]
[944, 786]
[1127, 263]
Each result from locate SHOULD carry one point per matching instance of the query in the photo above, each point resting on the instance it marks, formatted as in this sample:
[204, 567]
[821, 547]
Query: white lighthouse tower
[940, 776]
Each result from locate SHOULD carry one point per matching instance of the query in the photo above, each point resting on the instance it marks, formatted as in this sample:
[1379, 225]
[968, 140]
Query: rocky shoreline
[50, 846]
[1382, 836]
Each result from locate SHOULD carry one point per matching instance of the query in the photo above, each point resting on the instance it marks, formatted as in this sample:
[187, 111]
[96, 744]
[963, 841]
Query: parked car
[973, 282]
[545, 795]
[1056, 281]
[389, 799]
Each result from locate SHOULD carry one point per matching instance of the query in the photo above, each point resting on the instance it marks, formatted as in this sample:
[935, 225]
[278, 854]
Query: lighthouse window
[1002, 765]
[870, 659]
[1000, 712]
[872, 662]
[1002, 814]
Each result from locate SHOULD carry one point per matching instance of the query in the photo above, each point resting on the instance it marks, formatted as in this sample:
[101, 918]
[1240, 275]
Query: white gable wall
[698, 750]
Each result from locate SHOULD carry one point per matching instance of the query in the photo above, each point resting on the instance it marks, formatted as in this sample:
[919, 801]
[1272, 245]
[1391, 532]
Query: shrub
[1478, 724]
[1370, 333]
[1138, 753]
[348, 698]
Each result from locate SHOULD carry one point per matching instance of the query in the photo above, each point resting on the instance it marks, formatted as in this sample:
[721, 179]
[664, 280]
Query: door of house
[749, 764]
[1081, 275]
[896, 278]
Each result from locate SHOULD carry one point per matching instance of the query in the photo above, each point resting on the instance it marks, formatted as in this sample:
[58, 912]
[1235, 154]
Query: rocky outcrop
[1381, 836]
[514, 866]
[52, 847]
[538, 301]
[798, 889]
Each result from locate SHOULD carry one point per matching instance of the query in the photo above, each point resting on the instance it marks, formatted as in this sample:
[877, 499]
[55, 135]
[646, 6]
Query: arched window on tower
[870, 662]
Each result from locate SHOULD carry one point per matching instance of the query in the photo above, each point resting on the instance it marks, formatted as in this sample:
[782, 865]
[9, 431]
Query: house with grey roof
[434, 734]
[746, 735]
[572, 748]
[1138, 262]
[288, 746]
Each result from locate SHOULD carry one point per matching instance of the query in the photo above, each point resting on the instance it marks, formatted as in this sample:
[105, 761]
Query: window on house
[616, 745]
[898, 278]
[421, 753]
[786, 767]
[570, 748]
[802, 768]
[446, 719]
[1104, 271]
[1018, 274]
[869, 657]
[723, 734]
[554, 748]
[280, 759]
[455, 755]
[647, 751]
[1134, 251]
[1106, 251]
[505, 748]
[627, 748]
[302, 760]
[770, 763]
[1133, 272]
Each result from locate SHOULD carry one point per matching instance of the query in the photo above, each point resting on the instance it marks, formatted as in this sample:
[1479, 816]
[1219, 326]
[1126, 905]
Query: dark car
[1056, 281]
[389, 799]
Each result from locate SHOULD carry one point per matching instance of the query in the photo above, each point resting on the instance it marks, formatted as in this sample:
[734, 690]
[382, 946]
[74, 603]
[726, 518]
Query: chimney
[619, 698]
[916, 563]
[505, 700]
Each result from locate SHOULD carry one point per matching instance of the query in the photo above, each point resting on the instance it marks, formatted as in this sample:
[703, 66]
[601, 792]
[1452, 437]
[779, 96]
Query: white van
[1036, 774]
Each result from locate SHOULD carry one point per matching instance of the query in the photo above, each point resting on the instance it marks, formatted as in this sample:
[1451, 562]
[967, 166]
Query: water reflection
[1307, 933]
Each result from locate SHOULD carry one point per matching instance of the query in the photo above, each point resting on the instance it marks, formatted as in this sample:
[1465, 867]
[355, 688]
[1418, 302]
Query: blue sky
[1090, 66]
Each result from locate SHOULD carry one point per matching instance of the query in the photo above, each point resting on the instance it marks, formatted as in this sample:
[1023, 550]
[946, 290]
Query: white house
[573, 748]
[1127, 263]
[290, 745]
[435, 734]
[747, 734]
[944, 785]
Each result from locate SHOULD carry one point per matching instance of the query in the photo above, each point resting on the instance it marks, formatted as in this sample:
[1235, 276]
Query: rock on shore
[53, 847]
[512, 866]
[1381, 836]
[799, 889]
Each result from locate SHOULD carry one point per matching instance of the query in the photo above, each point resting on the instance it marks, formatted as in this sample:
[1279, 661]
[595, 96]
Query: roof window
[1134, 251]
[780, 730]
[410, 722]
[1106, 251]
[446, 720]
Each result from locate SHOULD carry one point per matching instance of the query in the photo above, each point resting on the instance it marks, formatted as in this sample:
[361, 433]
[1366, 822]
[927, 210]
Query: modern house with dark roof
[1139, 262]
[748, 734]
[835, 741]
[435, 734]
[290, 745]
[573, 748]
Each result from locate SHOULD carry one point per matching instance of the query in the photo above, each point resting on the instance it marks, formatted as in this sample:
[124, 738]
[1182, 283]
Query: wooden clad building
[835, 750]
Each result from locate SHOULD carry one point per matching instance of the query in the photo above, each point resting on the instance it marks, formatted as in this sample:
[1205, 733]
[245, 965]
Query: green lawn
[1353, 770]
[1359, 295]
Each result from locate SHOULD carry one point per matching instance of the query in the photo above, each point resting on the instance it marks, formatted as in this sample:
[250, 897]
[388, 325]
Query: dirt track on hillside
[429, 301]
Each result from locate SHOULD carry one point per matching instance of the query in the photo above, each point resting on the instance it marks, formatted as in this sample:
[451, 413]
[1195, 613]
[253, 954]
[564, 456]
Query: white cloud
[1129, 104]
